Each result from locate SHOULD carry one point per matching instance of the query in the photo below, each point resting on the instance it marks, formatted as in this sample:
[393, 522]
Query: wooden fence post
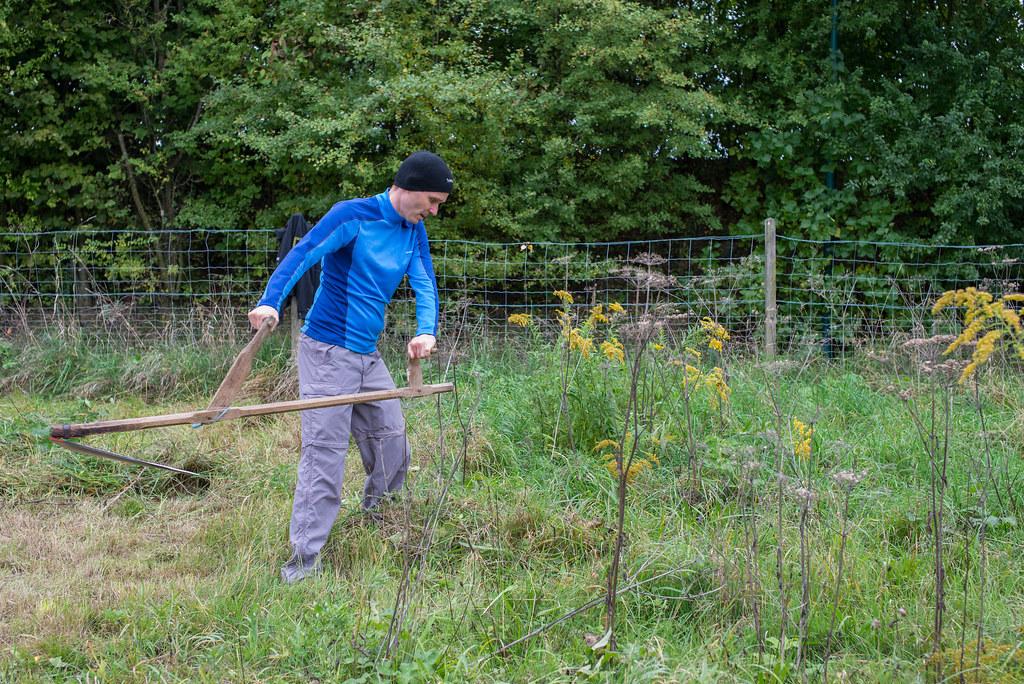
[770, 310]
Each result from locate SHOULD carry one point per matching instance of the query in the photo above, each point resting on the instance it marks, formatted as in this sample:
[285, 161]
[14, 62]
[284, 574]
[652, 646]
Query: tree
[104, 98]
[916, 120]
[561, 120]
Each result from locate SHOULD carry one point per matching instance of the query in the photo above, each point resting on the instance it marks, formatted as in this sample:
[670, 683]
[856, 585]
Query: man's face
[415, 205]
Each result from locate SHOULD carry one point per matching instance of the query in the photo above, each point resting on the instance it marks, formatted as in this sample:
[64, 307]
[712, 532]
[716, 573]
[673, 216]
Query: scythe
[220, 407]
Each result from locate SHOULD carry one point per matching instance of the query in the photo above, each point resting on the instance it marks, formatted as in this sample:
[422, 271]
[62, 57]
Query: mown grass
[114, 573]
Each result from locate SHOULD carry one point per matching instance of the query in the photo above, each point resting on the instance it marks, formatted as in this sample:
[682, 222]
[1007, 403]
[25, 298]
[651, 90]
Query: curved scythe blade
[96, 451]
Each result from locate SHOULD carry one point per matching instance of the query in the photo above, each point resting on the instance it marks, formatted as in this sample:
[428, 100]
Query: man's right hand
[257, 315]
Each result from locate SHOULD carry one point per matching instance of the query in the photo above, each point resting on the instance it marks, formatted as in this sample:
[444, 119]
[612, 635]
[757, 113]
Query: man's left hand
[421, 346]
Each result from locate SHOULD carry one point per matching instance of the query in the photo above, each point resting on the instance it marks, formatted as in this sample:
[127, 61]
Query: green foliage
[100, 104]
[915, 118]
[554, 119]
[562, 120]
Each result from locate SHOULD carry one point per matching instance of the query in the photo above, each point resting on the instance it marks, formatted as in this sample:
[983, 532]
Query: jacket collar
[388, 211]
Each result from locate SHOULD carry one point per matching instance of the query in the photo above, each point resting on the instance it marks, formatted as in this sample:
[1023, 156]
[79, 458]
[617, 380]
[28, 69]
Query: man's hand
[421, 346]
[257, 315]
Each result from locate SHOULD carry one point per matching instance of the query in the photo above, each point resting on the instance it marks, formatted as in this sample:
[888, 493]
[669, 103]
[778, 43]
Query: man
[365, 247]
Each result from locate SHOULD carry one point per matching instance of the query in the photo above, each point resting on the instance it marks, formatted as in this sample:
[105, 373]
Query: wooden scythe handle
[234, 412]
[415, 373]
[240, 368]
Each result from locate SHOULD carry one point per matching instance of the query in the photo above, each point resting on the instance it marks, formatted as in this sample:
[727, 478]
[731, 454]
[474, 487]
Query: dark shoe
[299, 568]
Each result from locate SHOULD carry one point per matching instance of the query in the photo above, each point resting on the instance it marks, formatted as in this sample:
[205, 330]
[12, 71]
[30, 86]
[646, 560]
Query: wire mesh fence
[842, 293]
[834, 294]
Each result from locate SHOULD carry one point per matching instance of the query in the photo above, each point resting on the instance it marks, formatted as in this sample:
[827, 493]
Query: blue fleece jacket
[364, 248]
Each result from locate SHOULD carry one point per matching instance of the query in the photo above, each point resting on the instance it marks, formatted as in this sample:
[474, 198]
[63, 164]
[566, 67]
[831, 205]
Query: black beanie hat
[424, 171]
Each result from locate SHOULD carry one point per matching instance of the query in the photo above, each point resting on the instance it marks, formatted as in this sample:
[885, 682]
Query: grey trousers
[377, 427]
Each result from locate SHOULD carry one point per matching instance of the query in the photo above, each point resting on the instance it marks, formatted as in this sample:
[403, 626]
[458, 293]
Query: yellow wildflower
[564, 296]
[694, 353]
[968, 371]
[716, 334]
[714, 329]
[692, 375]
[521, 319]
[986, 345]
[577, 341]
[564, 320]
[944, 301]
[615, 307]
[1012, 318]
[638, 466]
[658, 347]
[986, 320]
[970, 298]
[606, 443]
[613, 350]
[597, 315]
[967, 336]
[716, 381]
[802, 435]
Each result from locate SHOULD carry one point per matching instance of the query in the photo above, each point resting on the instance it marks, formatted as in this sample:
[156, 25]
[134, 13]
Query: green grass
[114, 573]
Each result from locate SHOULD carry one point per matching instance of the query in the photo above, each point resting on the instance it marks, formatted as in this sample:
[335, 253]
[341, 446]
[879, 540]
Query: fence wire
[832, 293]
[843, 293]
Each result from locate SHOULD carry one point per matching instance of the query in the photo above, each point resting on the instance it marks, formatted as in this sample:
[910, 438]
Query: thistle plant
[637, 416]
[748, 496]
[983, 477]
[988, 323]
[802, 438]
[805, 499]
[799, 442]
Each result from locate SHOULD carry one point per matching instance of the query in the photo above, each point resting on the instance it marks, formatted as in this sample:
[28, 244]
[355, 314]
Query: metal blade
[96, 451]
